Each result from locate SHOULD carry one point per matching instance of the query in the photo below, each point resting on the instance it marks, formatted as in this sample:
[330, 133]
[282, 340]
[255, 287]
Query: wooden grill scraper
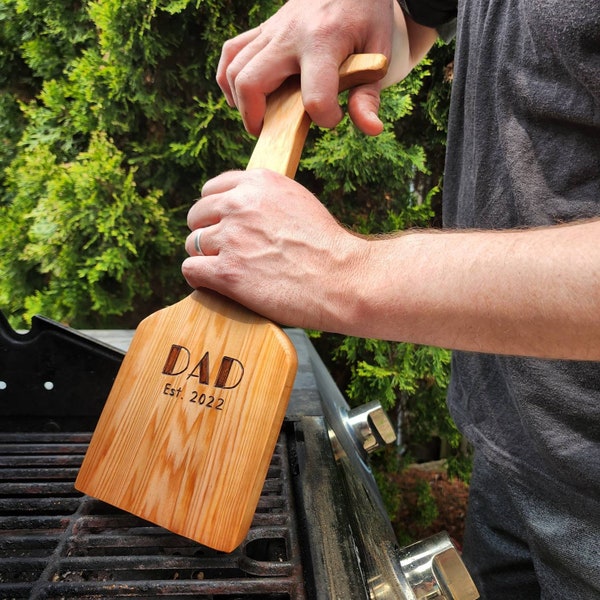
[188, 430]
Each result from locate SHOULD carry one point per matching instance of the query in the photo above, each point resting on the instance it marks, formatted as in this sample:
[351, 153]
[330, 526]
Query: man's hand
[270, 244]
[311, 37]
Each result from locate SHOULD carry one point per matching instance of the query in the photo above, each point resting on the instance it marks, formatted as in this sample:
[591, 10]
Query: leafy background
[110, 122]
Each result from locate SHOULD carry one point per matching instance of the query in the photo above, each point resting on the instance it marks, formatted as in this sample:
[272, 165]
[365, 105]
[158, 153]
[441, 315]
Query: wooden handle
[286, 123]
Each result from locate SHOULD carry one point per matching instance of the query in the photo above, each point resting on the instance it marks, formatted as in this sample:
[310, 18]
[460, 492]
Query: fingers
[225, 71]
[250, 68]
[258, 69]
[204, 213]
[217, 202]
[319, 83]
[311, 38]
[222, 183]
[254, 81]
[198, 243]
[252, 75]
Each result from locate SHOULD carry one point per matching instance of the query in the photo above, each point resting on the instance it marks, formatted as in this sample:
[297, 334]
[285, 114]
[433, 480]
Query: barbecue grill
[320, 530]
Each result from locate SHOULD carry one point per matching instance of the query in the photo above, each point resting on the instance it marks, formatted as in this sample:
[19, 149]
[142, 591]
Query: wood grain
[188, 430]
[177, 450]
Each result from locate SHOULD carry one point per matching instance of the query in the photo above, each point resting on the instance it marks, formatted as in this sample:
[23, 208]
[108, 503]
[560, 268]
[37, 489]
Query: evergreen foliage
[111, 121]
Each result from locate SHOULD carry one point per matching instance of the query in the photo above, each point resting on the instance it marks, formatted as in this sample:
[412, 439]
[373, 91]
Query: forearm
[532, 292]
[421, 40]
[527, 292]
[410, 44]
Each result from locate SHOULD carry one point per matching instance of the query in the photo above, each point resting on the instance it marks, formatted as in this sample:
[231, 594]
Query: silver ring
[197, 243]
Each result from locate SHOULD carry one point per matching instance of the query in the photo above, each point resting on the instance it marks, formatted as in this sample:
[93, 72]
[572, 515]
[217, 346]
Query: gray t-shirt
[524, 150]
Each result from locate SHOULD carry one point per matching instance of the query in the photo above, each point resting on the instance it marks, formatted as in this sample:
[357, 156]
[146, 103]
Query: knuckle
[231, 204]
[323, 111]
[327, 28]
[230, 76]
[222, 80]
[191, 219]
[229, 48]
[246, 84]
[190, 272]
[230, 272]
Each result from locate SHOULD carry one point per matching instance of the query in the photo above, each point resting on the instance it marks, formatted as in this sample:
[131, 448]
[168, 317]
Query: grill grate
[56, 543]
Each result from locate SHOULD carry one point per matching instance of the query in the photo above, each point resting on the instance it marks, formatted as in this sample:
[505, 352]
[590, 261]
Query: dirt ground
[449, 496]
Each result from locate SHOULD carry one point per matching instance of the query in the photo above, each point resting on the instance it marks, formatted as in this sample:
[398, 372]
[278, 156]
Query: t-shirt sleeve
[440, 14]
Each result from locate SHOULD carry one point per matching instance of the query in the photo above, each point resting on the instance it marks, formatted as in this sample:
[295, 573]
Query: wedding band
[197, 243]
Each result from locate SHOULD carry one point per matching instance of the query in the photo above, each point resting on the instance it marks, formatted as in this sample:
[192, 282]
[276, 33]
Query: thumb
[363, 107]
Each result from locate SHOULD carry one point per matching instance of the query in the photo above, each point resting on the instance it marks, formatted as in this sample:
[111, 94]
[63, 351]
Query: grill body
[57, 543]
